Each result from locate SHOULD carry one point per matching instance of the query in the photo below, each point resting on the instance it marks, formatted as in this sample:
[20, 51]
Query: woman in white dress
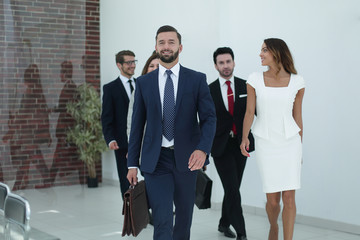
[277, 95]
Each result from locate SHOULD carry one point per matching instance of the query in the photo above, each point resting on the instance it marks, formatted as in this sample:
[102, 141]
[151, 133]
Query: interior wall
[47, 50]
[324, 38]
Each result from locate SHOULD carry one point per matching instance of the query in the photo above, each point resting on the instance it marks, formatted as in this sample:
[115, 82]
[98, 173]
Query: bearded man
[175, 145]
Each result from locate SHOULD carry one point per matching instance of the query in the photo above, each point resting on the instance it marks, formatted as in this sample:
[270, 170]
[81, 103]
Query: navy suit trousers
[167, 186]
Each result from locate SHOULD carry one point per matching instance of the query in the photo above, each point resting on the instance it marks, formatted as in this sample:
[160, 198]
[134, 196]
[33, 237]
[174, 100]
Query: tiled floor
[80, 213]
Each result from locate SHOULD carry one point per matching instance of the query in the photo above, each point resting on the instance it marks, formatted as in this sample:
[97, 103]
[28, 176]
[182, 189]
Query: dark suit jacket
[114, 113]
[193, 99]
[225, 120]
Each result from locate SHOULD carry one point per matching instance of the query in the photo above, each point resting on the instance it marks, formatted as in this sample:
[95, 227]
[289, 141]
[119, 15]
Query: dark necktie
[168, 108]
[131, 86]
[230, 97]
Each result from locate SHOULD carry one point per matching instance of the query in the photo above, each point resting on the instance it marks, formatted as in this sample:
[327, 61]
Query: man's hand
[197, 160]
[132, 176]
[113, 145]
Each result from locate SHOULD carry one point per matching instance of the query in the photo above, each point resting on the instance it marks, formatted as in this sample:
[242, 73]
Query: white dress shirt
[162, 80]
[126, 84]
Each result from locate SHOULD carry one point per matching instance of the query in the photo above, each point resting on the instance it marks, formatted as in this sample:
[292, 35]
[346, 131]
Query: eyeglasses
[131, 62]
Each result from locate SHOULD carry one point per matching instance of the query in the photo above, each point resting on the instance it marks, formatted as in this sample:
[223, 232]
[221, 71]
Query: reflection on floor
[80, 213]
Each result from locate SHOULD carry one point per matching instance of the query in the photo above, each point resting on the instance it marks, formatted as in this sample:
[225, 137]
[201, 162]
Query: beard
[128, 71]
[226, 74]
[169, 59]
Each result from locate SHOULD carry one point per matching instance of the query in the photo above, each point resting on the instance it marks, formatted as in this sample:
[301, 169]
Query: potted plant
[86, 132]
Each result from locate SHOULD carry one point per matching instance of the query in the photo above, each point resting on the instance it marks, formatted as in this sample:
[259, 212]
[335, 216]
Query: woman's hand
[244, 147]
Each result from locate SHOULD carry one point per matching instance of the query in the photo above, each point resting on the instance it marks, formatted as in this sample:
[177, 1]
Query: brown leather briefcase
[135, 209]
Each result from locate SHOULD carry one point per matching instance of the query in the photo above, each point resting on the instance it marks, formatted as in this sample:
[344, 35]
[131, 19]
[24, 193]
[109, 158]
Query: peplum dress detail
[277, 140]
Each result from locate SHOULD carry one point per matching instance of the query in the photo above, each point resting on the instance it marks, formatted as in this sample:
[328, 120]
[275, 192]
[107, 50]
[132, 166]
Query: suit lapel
[156, 92]
[122, 89]
[239, 89]
[181, 87]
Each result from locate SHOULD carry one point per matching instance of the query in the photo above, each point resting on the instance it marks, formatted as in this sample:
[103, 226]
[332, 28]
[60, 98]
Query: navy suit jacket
[193, 100]
[114, 113]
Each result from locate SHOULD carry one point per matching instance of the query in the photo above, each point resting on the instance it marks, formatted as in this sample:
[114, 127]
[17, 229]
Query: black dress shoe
[227, 232]
[241, 238]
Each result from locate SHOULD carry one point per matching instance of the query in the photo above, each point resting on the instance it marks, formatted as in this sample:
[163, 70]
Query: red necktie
[230, 96]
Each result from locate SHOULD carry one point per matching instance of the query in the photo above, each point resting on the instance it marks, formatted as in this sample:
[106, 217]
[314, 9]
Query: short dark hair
[168, 28]
[223, 50]
[120, 55]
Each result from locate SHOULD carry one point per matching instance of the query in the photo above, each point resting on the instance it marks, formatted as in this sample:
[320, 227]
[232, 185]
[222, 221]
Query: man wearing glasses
[116, 95]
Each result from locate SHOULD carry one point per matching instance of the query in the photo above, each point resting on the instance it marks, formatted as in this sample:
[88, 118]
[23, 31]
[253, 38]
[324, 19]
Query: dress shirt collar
[223, 81]
[125, 79]
[175, 70]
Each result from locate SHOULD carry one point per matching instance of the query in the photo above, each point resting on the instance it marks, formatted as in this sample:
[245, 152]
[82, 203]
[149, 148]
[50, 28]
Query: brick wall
[48, 48]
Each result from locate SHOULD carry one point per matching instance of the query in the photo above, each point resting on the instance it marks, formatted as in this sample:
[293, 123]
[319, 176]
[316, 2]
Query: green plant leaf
[86, 133]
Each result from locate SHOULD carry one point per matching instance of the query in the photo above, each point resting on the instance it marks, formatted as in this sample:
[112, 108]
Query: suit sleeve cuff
[203, 152]
[111, 142]
[132, 167]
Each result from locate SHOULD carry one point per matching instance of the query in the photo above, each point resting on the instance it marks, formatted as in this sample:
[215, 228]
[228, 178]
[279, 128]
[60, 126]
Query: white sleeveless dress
[277, 141]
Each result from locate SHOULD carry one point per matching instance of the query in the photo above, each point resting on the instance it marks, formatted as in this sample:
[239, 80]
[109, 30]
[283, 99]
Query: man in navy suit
[175, 104]
[116, 95]
[229, 95]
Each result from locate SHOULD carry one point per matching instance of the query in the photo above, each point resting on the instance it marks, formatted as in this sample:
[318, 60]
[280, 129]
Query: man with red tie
[229, 95]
